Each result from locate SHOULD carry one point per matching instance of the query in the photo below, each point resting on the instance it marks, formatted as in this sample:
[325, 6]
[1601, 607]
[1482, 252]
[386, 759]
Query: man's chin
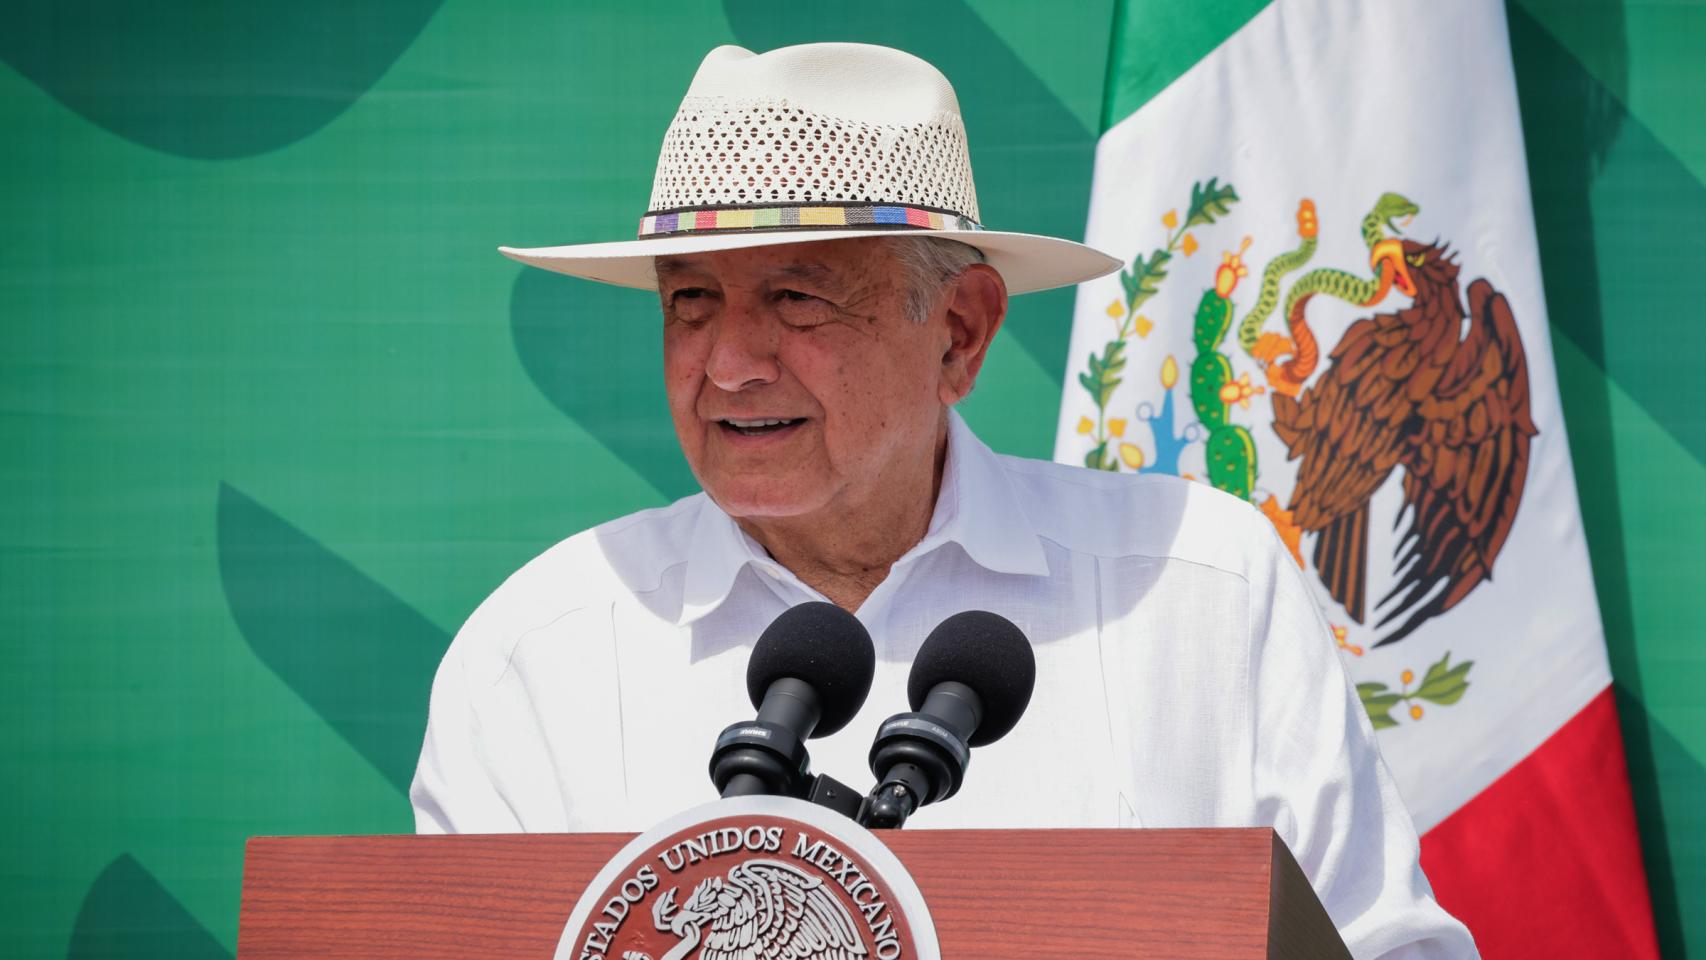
[749, 500]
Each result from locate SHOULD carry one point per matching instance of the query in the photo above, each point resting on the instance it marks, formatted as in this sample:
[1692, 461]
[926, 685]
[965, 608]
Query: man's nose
[744, 353]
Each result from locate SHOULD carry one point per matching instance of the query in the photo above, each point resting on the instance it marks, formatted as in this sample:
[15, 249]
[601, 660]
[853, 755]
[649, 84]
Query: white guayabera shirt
[1185, 678]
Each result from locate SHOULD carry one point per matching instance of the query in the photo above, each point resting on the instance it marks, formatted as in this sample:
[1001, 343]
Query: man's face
[796, 380]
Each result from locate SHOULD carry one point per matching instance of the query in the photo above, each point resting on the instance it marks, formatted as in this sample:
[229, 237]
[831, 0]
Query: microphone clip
[921, 757]
[760, 757]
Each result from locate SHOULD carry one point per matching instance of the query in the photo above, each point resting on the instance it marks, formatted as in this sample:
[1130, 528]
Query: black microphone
[969, 685]
[809, 674]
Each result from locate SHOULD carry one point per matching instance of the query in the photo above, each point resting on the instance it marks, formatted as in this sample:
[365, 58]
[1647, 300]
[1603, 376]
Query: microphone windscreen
[824, 646]
[987, 653]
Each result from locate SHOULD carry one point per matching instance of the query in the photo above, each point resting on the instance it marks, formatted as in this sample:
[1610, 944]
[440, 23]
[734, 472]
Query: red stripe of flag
[1546, 862]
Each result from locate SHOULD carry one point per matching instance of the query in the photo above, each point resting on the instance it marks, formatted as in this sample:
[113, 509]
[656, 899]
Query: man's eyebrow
[668, 266]
[812, 272]
[805, 271]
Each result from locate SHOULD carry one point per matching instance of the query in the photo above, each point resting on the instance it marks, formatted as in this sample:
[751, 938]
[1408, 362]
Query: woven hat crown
[826, 141]
[837, 124]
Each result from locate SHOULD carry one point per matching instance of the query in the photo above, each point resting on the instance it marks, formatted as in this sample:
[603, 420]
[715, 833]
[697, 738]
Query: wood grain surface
[1181, 894]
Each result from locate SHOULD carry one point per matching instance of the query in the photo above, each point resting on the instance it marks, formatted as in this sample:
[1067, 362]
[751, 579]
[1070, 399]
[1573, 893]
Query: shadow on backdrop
[355, 653]
[212, 81]
[128, 915]
[596, 352]
[1571, 123]
[1597, 169]
[1032, 157]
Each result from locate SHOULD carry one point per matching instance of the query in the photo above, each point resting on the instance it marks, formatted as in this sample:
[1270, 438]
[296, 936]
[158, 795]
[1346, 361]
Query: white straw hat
[823, 141]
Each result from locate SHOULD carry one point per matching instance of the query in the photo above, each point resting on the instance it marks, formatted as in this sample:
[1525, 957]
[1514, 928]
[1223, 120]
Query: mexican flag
[1332, 308]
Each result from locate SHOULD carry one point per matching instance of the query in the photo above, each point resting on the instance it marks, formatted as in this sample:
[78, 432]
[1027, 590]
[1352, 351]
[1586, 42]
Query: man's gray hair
[927, 264]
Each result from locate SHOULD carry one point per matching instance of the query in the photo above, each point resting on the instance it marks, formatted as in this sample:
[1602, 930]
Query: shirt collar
[977, 508]
[719, 551]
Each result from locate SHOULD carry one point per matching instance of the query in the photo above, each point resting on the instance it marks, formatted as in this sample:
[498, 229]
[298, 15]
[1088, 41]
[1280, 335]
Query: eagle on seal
[1434, 389]
[766, 909]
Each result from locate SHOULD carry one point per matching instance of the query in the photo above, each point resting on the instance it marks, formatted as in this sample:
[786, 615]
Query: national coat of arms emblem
[1432, 392]
[764, 908]
[766, 877]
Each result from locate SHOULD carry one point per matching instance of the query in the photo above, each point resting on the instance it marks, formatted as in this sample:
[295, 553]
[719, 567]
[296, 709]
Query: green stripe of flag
[1153, 42]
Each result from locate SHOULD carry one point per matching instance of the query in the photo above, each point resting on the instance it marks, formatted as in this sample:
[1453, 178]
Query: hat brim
[1027, 262]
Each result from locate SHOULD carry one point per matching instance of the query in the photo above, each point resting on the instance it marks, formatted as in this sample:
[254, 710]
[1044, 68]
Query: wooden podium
[1221, 894]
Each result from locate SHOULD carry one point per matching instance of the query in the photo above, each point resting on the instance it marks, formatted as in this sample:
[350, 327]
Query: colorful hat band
[817, 216]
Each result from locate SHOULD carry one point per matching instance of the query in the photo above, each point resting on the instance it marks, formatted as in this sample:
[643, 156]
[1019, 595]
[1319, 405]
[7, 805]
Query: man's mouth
[759, 427]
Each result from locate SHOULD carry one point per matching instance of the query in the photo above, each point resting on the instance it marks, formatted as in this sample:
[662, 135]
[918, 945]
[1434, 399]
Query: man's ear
[974, 309]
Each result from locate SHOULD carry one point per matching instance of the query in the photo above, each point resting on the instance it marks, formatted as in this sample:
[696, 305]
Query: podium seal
[752, 877]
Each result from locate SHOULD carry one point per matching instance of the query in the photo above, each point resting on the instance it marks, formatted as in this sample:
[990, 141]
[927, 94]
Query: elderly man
[828, 296]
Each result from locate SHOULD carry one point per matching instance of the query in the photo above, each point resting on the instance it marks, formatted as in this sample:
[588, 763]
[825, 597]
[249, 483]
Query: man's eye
[691, 305]
[802, 310]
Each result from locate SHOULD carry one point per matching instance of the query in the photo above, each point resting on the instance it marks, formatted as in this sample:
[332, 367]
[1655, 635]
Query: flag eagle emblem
[1432, 389]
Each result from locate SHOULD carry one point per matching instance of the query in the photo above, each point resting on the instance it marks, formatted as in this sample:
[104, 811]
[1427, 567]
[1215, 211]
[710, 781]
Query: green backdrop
[277, 416]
